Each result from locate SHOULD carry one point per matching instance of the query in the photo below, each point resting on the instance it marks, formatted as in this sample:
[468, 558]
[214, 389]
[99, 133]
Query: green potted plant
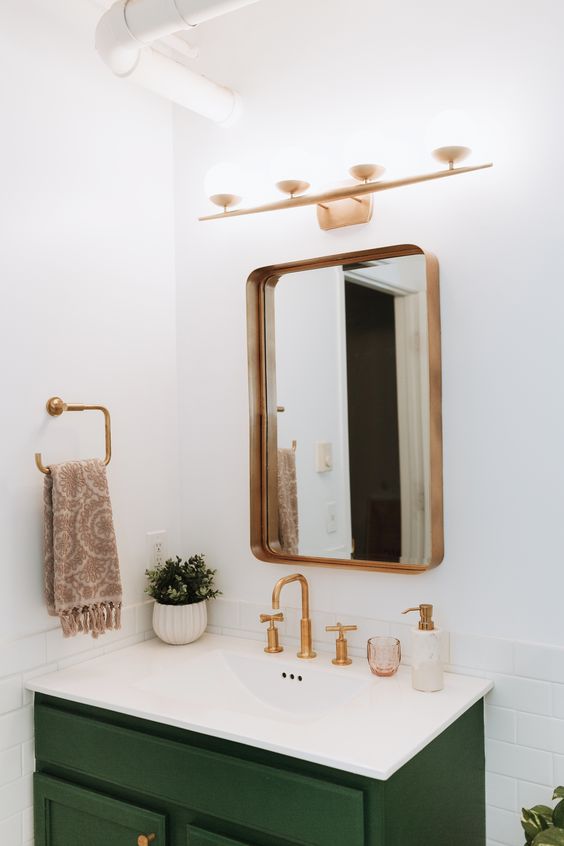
[544, 826]
[181, 590]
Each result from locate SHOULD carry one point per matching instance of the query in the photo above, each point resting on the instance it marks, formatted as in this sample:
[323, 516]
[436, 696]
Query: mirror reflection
[349, 444]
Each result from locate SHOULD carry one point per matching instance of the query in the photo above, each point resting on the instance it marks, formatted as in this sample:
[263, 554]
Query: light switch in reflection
[331, 517]
[323, 456]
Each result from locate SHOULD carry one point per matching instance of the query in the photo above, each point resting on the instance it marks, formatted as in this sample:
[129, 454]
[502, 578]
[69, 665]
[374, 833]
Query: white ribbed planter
[180, 623]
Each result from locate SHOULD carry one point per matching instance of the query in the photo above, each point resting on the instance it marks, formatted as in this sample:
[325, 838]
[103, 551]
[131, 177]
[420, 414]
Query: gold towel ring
[55, 407]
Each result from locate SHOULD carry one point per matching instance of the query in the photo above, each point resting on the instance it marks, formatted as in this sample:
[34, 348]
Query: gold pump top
[426, 623]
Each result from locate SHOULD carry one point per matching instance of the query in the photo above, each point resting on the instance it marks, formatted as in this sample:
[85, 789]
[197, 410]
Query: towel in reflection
[288, 524]
[82, 579]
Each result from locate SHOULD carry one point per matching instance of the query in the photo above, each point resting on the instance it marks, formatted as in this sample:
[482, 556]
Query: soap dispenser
[426, 664]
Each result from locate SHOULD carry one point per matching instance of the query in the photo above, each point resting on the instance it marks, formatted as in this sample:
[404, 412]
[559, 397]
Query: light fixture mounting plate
[346, 212]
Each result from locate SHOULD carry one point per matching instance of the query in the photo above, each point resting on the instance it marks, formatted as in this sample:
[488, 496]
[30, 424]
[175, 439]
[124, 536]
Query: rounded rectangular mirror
[345, 388]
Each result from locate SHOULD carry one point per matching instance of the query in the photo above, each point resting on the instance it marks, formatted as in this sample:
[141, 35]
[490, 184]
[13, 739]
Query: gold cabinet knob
[145, 839]
[272, 632]
[342, 657]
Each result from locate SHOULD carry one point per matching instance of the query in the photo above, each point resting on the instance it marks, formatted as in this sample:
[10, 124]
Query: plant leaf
[558, 815]
[558, 793]
[550, 837]
[546, 812]
[533, 822]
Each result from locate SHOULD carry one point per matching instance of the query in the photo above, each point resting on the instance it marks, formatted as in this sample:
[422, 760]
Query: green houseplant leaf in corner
[181, 590]
[544, 826]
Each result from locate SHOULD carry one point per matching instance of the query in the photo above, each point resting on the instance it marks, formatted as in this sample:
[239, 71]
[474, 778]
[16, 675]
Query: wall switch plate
[323, 456]
[156, 548]
[331, 517]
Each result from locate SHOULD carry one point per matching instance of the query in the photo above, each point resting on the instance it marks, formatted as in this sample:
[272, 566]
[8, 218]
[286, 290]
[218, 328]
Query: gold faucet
[306, 650]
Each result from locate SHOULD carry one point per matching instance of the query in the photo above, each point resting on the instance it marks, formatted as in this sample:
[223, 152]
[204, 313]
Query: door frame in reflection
[263, 410]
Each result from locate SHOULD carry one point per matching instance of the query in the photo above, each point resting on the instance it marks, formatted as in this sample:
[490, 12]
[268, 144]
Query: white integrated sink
[235, 681]
[227, 687]
[297, 687]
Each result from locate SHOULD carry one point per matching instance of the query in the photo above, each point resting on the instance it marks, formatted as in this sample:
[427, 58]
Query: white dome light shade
[362, 155]
[224, 180]
[451, 135]
[290, 163]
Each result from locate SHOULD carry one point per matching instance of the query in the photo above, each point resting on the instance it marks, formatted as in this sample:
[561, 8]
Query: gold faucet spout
[306, 650]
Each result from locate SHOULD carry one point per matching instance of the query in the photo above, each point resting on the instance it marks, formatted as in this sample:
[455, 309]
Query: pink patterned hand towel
[288, 514]
[82, 580]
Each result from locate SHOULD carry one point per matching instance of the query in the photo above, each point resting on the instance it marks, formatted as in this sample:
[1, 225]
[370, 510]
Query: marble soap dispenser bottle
[426, 664]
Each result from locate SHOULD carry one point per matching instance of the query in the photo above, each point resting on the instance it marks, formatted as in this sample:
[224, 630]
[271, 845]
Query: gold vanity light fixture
[350, 204]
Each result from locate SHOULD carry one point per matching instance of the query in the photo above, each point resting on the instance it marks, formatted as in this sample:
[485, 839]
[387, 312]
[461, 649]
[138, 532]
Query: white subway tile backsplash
[16, 727]
[17, 795]
[558, 700]
[539, 662]
[403, 633]
[21, 655]
[483, 653]
[367, 628]
[504, 826]
[124, 643]
[11, 694]
[500, 723]
[80, 658]
[11, 830]
[558, 777]
[249, 617]
[224, 613]
[258, 636]
[144, 616]
[10, 764]
[319, 621]
[501, 791]
[39, 671]
[60, 648]
[28, 757]
[540, 732]
[27, 826]
[521, 694]
[529, 794]
[518, 761]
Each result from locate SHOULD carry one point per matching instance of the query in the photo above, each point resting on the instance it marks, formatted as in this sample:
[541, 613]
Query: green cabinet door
[72, 816]
[199, 837]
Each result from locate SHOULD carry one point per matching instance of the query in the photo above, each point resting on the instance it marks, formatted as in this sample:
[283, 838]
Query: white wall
[496, 233]
[311, 340]
[88, 302]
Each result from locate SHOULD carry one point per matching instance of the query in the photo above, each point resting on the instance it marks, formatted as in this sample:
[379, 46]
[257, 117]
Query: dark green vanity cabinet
[104, 779]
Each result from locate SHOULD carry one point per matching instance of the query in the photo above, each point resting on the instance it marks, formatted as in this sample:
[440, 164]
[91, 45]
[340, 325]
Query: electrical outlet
[331, 517]
[156, 548]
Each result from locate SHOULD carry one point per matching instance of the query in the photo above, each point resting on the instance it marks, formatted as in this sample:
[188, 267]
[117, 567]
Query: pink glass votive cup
[384, 655]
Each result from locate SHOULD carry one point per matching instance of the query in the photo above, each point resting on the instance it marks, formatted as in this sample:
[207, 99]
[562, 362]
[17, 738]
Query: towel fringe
[91, 619]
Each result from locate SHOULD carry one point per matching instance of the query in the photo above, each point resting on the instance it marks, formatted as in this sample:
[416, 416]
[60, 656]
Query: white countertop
[227, 687]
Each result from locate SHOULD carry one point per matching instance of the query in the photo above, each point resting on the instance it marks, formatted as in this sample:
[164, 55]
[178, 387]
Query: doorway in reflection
[374, 462]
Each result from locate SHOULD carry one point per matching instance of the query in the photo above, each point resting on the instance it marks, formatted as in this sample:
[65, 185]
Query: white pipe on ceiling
[123, 40]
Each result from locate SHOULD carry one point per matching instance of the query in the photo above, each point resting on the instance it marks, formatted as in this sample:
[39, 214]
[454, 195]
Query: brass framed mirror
[345, 411]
